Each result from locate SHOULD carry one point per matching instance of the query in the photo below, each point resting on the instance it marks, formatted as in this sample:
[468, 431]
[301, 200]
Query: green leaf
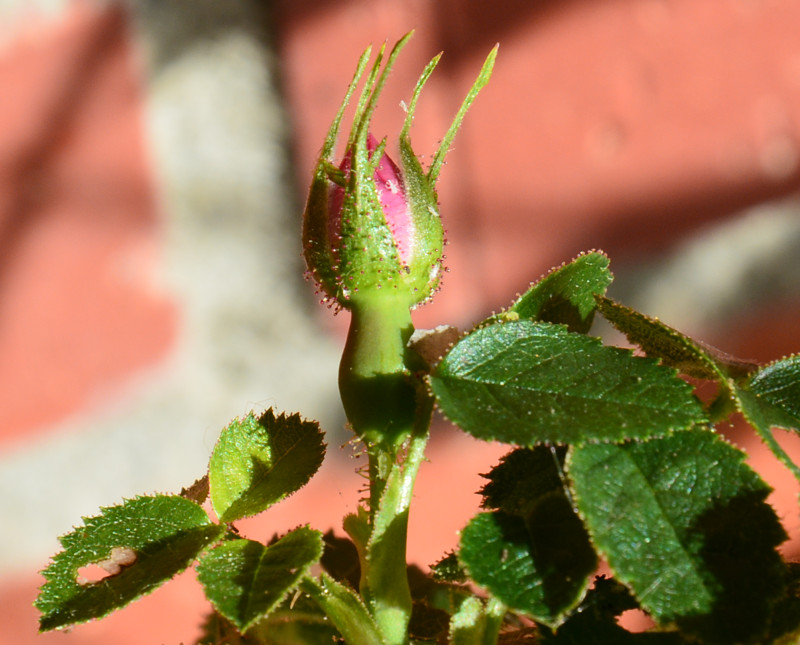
[683, 523]
[674, 348]
[530, 484]
[297, 620]
[771, 398]
[763, 415]
[527, 383]
[245, 580]
[157, 538]
[539, 565]
[778, 384]
[259, 461]
[566, 294]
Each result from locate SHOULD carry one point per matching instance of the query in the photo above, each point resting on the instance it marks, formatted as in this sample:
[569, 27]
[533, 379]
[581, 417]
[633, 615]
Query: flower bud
[373, 241]
[380, 235]
[369, 224]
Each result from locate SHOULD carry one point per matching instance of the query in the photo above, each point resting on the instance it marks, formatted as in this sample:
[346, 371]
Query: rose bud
[373, 241]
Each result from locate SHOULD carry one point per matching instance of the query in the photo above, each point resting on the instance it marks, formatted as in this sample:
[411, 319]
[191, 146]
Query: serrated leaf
[779, 385]
[674, 348]
[763, 416]
[530, 484]
[566, 294]
[526, 383]
[539, 565]
[683, 523]
[522, 477]
[785, 627]
[217, 630]
[259, 461]
[245, 580]
[162, 534]
[594, 622]
[448, 569]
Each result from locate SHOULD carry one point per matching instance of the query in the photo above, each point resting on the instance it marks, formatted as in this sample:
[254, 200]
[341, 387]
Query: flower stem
[392, 415]
[377, 393]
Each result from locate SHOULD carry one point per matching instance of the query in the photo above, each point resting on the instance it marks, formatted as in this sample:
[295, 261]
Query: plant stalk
[392, 415]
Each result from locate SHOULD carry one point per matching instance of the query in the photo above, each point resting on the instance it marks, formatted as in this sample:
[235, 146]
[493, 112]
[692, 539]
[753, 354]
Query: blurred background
[154, 156]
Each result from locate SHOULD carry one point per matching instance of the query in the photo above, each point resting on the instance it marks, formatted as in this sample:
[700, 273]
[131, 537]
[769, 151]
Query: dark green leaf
[522, 477]
[340, 559]
[527, 383]
[671, 346]
[566, 294]
[259, 461]
[785, 627]
[779, 385]
[427, 623]
[530, 484]
[538, 566]
[594, 622]
[683, 523]
[245, 580]
[448, 569]
[153, 538]
[217, 630]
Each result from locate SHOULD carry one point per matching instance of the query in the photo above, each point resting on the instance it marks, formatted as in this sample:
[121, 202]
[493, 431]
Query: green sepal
[345, 609]
[480, 82]
[246, 580]
[317, 246]
[163, 535]
[260, 460]
[526, 383]
[424, 271]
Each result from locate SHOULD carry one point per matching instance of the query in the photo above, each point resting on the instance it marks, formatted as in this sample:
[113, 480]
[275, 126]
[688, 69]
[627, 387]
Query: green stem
[378, 397]
[392, 416]
[495, 613]
[384, 574]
